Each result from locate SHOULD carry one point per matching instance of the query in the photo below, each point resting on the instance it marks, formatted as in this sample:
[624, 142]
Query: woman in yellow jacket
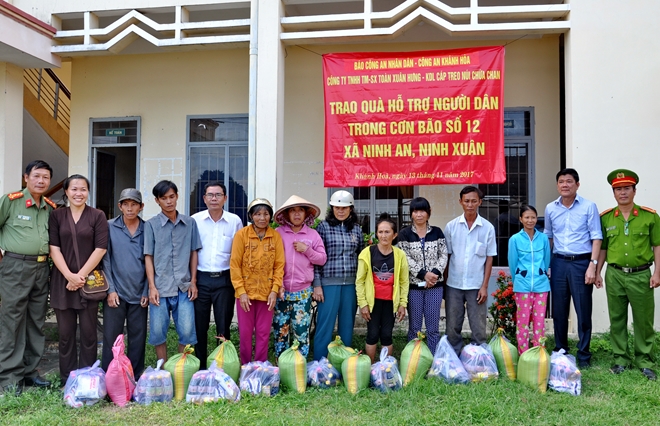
[257, 268]
[382, 286]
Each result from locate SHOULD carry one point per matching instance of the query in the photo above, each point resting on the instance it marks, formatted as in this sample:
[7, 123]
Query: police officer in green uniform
[24, 273]
[631, 244]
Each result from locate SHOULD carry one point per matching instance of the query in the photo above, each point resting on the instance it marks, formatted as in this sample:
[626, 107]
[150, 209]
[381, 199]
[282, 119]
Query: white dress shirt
[217, 238]
[469, 249]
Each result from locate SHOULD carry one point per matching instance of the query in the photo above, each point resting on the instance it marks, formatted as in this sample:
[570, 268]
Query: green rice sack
[337, 352]
[182, 367]
[293, 369]
[534, 367]
[416, 359]
[226, 358]
[356, 371]
[506, 355]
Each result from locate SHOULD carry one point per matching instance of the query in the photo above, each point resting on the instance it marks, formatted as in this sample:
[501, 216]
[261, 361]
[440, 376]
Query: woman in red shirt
[382, 286]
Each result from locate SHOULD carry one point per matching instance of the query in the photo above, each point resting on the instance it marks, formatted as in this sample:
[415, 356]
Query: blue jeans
[183, 313]
[339, 300]
[566, 281]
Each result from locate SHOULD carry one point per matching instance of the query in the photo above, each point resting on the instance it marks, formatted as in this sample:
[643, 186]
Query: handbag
[96, 285]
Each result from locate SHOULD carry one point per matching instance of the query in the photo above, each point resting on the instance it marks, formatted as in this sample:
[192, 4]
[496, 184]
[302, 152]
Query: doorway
[114, 166]
[114, 170]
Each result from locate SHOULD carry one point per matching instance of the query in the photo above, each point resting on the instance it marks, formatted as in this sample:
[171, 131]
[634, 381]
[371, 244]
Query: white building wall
[612, 94]
[43, 10]
[162, 89]
[11, 127]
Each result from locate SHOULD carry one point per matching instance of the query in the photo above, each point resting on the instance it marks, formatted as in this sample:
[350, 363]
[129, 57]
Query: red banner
[414, 118]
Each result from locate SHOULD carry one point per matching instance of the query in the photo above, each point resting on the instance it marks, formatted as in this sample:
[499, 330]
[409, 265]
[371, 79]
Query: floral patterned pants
[530, 308]
[293, 316]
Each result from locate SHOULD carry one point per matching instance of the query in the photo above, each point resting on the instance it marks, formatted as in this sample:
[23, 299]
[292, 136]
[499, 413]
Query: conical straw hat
[295, 201]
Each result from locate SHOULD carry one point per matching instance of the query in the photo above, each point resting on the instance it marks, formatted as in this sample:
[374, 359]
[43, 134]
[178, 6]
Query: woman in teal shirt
[529, 260]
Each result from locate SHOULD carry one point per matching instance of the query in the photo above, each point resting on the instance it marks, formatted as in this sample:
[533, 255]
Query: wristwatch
[594, 261]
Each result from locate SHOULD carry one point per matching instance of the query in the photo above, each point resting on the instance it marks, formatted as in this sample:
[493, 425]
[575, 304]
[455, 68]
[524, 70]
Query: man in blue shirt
[128, 295]
[572, 224]
[171, 241]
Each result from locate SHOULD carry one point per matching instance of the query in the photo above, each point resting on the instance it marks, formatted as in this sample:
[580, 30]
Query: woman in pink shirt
[303, 248]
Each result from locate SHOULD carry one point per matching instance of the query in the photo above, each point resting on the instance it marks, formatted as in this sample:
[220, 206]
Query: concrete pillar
[270, 102]
[11, 127]
[612, 107]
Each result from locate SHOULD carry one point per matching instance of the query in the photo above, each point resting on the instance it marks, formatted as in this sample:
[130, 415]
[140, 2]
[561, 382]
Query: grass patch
[606, 399]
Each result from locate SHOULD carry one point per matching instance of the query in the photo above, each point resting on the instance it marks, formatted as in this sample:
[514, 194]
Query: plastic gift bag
[260, 378]
[385, 374]
[534, 367]
[337, 352]
[322, 374]
[226, 357]
[119, 379]
[506, 355]
[85, 386]
[416, 359]
[182, 367]
[212, 385]
[564, 373]
[446, 365]
[154, 385]
[293, 369]
[356, 371]
[479, 362]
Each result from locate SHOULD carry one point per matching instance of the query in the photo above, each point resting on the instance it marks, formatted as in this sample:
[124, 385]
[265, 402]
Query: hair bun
[384, 216]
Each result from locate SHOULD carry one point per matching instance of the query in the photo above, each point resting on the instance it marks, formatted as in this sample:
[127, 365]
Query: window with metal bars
[501, 204]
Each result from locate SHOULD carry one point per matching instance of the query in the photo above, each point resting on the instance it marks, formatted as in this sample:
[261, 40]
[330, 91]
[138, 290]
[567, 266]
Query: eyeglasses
[212, 196]
[625, 229]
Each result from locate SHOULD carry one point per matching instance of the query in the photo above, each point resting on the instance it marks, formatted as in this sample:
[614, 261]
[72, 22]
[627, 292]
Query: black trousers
[135, 318]
[67, 323]
[566, 282]
[216, 292]
[382, 323]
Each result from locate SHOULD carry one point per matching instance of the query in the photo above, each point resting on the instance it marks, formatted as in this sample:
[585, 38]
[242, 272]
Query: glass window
[501, 204]
[221, 129]
[517, 123]
[371, 202]
[217, 151]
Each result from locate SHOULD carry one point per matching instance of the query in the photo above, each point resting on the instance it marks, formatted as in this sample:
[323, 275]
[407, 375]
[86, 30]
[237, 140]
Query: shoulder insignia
[648, 209]
[604, 212]
[16, 195]
[50, 202]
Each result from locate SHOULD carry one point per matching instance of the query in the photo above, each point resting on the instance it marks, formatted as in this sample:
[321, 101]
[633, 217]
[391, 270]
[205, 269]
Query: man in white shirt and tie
[217, 228]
